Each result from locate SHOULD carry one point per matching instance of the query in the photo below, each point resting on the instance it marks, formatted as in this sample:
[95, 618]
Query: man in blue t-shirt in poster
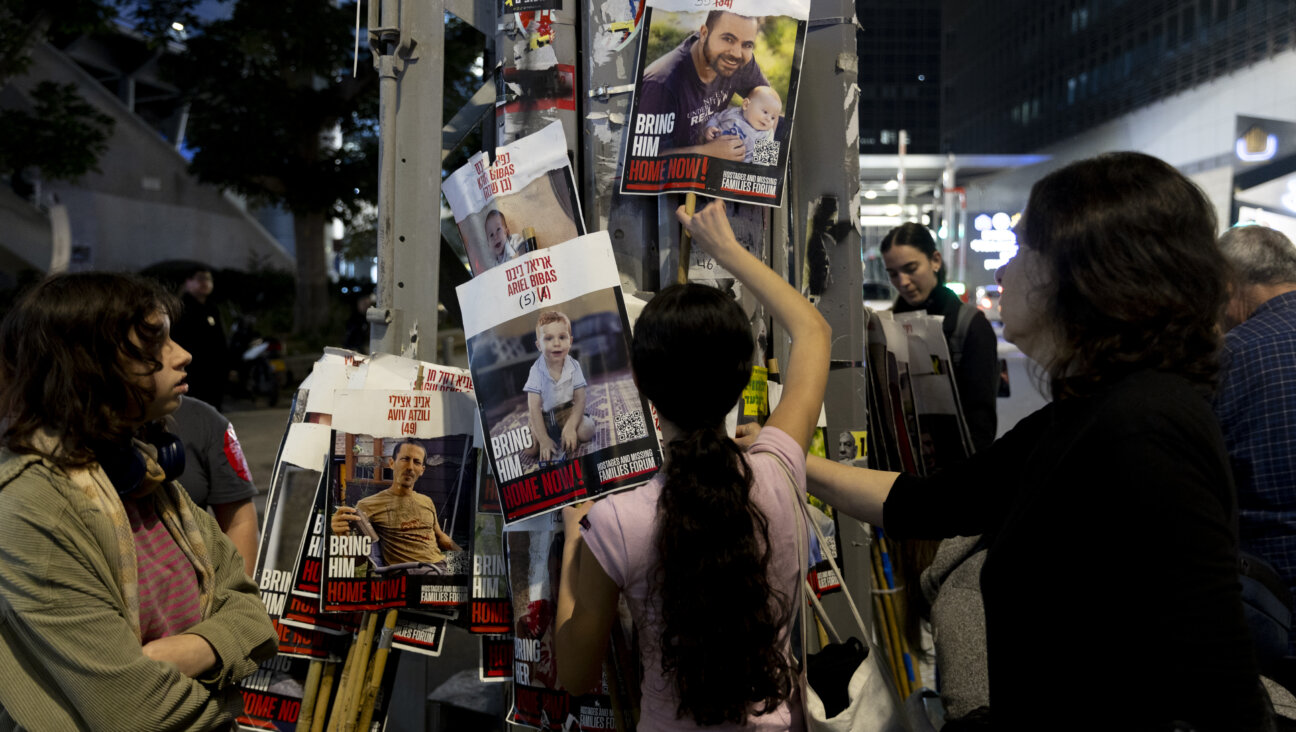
[682, 89]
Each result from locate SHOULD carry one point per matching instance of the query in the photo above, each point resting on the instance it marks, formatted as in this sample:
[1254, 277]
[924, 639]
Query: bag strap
[798, 499]
[803, 551]
[964, 320]
[832, 562]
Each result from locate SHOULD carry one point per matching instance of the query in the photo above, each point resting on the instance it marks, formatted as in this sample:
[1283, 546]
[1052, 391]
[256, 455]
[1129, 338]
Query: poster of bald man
[714, 99]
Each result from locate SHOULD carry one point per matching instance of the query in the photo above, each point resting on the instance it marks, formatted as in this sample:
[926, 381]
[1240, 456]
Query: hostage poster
[489, 610]
[525, 200]
[534, 562]
[548, 346]
[714, 99]
[387, 546]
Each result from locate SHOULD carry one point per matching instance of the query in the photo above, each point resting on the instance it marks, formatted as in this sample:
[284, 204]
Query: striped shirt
[168, 585]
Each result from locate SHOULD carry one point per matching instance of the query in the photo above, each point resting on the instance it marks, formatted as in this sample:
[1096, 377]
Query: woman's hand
[710, 228]
[746, 434]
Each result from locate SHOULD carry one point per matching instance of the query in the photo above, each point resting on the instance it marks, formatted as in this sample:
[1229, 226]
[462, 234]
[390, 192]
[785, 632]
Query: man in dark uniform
[199, 331]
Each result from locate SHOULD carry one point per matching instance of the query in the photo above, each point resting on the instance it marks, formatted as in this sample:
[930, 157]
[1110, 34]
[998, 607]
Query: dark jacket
[1111, 586]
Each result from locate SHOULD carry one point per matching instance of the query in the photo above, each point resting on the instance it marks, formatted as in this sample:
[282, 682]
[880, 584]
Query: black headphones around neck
[126, 467]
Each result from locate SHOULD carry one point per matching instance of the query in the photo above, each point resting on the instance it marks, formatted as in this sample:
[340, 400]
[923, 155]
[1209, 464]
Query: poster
[496, 658]
[272, 695]
[523, 201]
[548, 346]
[386, 546]
[943, 431]
[489, 610]
[522, 6]
[534, 561]
[723, 131]
[534, 89]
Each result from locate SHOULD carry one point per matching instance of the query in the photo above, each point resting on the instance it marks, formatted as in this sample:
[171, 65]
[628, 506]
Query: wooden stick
[322, 700]
[309, 692]
[339, 699]
[894, 623]
[686, 241]
[359, 673]
[888, 622]
[378, 668]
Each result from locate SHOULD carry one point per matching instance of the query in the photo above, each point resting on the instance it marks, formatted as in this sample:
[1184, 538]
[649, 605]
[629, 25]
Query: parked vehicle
[260, 368]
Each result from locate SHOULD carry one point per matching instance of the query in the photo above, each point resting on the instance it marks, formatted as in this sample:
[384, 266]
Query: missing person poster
[386, 546]
[400, 484]
[524, 201]
[496, 658]
[548, 346]
[489, 610]
[534, 562]
[715, 97]
[272, 695]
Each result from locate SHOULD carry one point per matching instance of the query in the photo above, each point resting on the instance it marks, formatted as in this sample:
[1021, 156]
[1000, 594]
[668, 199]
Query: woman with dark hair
[914, 265]
[705, 552]
[1111, 579]
[122, 605]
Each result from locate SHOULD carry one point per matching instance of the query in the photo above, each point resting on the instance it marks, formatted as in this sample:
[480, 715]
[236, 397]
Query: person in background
[1109, 514]
[915, 267]
[713, 625]
[917, 270]
[199, 331]
[356, 337]
[122, 605]
[1256, 403]
[216, 474]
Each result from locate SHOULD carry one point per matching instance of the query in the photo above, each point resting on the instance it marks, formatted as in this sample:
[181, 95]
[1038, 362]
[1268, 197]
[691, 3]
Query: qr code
[765, 152]
[630, 426]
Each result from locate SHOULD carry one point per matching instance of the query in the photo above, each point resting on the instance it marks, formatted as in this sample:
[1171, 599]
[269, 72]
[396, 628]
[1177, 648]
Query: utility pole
[817, 228]
[822, 210]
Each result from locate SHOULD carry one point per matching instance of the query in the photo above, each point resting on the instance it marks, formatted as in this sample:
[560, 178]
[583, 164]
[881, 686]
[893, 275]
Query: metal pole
[947, 214]
[900, 173]
[825, 177]
[407, 40]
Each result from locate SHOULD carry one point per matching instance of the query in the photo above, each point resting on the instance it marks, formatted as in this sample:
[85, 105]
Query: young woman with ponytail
[705, 553]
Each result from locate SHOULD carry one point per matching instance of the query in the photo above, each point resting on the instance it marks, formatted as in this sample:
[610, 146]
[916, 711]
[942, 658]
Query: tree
[62, 135]
[276, 115]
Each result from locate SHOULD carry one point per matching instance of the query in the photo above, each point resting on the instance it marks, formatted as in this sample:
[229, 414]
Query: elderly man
[682, 89]
[406, 521]
[1256, 403]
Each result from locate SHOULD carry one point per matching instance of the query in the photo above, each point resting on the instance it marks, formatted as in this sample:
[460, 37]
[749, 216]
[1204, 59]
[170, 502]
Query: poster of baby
[548, 347]
[523, 201]
[714, 98]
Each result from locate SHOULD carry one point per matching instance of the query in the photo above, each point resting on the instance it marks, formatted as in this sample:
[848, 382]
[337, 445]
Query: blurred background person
[915, 267]
[1256, 403]
[199, 331]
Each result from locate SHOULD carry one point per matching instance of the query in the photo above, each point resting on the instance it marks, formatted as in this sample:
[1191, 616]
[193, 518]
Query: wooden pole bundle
[377, 669]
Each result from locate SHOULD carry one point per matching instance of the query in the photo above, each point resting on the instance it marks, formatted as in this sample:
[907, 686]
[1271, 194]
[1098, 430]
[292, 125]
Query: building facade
[1021, 75]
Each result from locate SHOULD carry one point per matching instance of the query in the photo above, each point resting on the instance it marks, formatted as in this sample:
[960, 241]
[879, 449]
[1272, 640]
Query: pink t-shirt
[622, 531]
[168, 585]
